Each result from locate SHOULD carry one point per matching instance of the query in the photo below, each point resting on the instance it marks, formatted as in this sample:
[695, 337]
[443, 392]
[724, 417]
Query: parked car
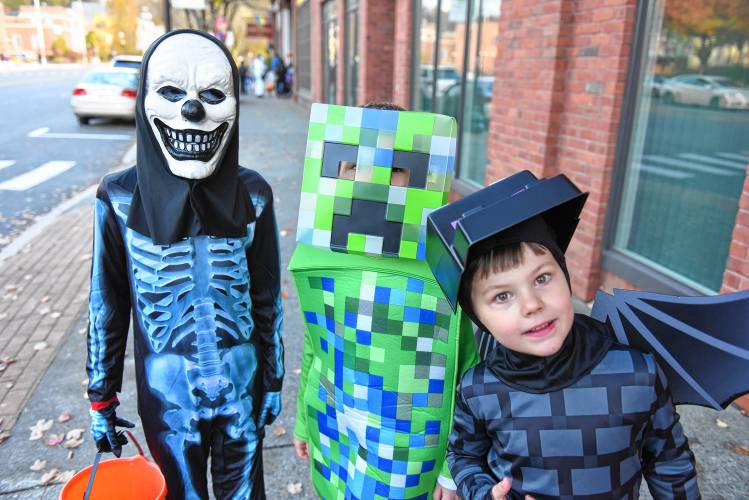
[125, 61]
[655, 84]
[105, 93]
[478, 101]
[703, 90]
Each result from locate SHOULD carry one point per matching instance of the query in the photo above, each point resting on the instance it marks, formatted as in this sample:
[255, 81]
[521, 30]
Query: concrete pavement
[43, 291]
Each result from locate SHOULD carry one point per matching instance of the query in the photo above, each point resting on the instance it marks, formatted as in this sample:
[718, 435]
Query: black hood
[168, 208]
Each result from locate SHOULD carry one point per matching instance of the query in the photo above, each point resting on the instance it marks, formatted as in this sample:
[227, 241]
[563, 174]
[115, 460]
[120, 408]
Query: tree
[123, 15]
[708, 21]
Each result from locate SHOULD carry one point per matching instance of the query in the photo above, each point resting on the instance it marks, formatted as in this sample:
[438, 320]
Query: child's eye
[543, 279]
[502, 297]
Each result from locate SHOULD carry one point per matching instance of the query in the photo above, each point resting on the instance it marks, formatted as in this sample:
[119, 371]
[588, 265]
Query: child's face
[528, 309]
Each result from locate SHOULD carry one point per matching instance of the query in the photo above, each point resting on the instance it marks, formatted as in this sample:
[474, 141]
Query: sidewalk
[48, 381]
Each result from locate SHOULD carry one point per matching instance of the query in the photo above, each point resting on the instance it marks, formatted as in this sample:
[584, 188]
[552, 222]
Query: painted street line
[36, 176]
[6, 163]
[44, 132]
[689, 165]
[714, 161]
[663, 172]
[734, 156]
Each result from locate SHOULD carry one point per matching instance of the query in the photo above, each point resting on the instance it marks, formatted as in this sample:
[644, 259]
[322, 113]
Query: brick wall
[376, 50]
[559, 86]
[736, 276]
[316, 50]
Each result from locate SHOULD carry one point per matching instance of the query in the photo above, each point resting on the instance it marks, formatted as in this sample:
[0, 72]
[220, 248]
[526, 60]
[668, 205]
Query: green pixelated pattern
[377, 133]
[376, 400]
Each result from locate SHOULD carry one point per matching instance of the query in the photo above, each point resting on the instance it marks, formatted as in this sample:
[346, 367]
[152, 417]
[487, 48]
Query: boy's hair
[384, 105]
[498, 259]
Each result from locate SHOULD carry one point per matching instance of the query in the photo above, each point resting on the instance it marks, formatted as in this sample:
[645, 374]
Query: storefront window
[479, 89]
[426, 36]
[352, 51]
[458, 80]
[689, 146]
[330, 50]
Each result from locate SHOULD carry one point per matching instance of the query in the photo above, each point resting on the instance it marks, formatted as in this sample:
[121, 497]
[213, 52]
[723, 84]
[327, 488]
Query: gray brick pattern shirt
[594, 439]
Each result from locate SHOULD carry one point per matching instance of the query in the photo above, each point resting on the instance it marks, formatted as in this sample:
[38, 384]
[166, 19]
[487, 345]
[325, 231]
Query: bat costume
[187, 241]
[589, 421]
[382, 349]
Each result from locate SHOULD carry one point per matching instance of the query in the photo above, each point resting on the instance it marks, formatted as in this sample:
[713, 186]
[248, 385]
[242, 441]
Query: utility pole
[167, 16]
[40, 32]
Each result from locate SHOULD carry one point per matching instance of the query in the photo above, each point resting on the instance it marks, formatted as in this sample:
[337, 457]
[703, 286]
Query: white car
[105, 93]
[702, 90]
[125, 61]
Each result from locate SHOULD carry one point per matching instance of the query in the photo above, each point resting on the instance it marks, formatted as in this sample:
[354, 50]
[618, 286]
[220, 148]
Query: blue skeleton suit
[202, 281]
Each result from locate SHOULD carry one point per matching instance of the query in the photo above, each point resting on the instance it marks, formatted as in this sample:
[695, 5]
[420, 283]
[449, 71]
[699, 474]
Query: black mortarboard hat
[459, 232]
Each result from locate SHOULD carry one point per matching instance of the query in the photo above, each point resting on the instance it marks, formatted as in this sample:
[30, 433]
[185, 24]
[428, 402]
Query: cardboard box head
[462, 230]
[365, 213]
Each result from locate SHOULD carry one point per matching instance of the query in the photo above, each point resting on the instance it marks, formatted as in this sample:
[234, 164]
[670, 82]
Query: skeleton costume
[187, 240]
[382, 350]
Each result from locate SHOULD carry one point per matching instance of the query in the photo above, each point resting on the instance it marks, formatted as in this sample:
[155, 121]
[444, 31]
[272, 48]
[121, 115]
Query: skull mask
[190, 103]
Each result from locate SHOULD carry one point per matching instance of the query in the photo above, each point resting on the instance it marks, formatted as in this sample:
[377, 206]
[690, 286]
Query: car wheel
[83, 120]
[715, 102]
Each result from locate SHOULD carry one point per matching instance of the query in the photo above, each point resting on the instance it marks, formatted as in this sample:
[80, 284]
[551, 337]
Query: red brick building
[622, 97]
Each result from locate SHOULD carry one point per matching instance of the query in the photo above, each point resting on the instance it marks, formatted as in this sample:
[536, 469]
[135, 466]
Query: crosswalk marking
[689, 165]
[663, 172]
[734, 156]
[714, 161]
[6, 163]
[44, 132]
[36, 176]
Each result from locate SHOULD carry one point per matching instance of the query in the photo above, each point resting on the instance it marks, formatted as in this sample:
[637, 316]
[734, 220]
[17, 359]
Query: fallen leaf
[38, 465]
[38, 429]
[279, 431]
[741, 450]
[294, 488]
[3, 315]
[40, 346]
[28, 277]
[55, 315]
[11, 288]
[64, 417]
[75, 434]
[720, 423]
[49, 476]
[296, 371]
[44, 310]
[55, 439]
[44, 299]
[4, 436]
[70, 455]
[284, 294]
[72, 443]
[64, 477]
[85, 257]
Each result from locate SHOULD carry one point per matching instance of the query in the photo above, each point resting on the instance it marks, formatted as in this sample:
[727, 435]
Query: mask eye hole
[172, 94]
[212, 96]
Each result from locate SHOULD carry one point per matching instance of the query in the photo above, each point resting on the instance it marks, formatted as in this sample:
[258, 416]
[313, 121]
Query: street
[45, 156]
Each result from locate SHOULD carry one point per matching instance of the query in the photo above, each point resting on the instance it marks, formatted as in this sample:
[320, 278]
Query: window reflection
[690, 142]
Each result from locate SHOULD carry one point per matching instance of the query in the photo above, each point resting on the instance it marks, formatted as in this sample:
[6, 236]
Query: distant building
[19, 36]
[621, 96]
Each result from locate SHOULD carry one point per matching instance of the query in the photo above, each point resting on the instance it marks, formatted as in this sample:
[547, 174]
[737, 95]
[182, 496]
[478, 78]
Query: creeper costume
[382, 350]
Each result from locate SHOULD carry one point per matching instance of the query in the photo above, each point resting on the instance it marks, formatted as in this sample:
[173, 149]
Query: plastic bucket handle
[98, 458]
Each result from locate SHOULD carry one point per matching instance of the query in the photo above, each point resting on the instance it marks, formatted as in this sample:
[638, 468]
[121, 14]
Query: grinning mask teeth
[190, 103]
